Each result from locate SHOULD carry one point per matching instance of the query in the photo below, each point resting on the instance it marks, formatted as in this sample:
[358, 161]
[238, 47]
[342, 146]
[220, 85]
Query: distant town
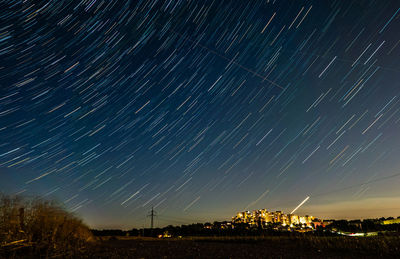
[278, 220]
[263, 222]
[263, 218]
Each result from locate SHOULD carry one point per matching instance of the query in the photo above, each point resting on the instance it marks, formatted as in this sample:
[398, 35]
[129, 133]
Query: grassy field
[230, 247]
[247, 247]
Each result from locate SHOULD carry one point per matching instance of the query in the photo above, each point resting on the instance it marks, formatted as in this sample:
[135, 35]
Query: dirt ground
[237, 248]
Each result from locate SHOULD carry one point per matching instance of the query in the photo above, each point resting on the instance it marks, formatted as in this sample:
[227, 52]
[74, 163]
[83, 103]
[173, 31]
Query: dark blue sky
[201, 108]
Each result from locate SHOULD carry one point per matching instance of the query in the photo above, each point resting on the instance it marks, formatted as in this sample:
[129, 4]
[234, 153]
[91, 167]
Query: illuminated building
[391, 221]
[263, 217]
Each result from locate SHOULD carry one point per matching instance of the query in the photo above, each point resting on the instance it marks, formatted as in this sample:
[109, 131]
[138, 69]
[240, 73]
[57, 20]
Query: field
[227, 247]
[247, 247]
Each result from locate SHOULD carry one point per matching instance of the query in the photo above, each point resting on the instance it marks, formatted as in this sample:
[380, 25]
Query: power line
[197, 43]
[347, 187]
[360, 184]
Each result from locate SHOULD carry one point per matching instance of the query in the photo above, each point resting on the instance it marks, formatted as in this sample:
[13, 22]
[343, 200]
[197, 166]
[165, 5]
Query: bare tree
[44, 226]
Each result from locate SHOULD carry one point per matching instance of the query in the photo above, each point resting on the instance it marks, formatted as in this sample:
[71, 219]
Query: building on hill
[263, 217]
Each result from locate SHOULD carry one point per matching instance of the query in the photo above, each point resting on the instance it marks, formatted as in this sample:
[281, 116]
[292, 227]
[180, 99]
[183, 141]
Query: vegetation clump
[36, 227]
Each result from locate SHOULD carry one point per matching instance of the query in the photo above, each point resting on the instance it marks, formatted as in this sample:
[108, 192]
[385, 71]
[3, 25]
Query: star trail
[201, 108]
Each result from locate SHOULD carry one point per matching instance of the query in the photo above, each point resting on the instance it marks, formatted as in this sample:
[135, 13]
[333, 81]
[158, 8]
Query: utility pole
[152, 215]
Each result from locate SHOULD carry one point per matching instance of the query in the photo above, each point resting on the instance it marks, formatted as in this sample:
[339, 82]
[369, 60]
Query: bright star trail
[201, 108]
[298, 206]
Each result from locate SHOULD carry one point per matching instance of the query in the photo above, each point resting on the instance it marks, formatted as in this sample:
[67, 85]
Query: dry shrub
[42, 226]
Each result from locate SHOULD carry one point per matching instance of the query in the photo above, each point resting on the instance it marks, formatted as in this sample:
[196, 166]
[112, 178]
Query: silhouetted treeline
[34, 227]
[366, 225]
[243, 229]
[199, 229]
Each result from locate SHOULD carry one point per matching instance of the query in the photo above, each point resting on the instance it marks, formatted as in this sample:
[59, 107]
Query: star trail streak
[199, 108]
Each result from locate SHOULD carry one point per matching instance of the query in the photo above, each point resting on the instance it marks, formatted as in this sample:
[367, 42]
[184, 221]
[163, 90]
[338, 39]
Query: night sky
[201, 108]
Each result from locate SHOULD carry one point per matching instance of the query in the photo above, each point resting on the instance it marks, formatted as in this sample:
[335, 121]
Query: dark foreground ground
[230, 247]
[267, 247]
